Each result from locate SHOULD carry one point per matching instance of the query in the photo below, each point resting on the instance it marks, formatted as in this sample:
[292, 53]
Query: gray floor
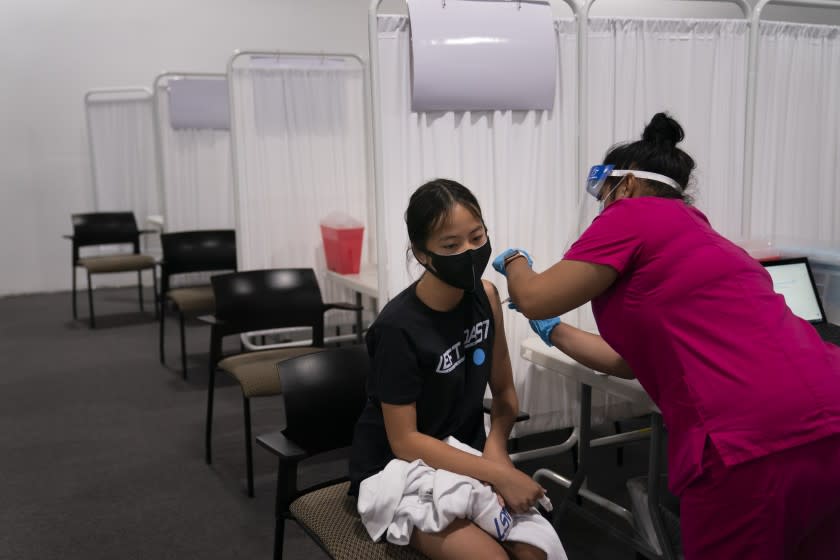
[101, 447]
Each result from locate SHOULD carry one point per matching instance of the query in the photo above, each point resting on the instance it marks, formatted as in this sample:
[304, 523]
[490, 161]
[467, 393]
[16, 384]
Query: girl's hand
[518, 490]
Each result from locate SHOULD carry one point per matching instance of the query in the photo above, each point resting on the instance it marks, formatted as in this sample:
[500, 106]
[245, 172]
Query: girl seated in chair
[434, 348]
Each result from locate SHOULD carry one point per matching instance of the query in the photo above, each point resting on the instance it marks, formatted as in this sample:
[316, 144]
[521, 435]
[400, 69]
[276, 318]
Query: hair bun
[662, 129]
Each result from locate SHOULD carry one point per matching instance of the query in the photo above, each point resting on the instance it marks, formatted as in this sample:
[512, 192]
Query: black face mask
[463, 270]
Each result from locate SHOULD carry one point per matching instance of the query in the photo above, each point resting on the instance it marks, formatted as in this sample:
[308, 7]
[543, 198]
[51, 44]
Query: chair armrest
[343, 306]
[211, 320]
[277, 444]
[290, 456]
[147, 231]
[70, 237]
[521, 417]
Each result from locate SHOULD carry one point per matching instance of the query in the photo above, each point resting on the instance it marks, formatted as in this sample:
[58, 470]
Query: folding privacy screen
[694, 69]
[121, 138]
[795, 194]
[192, 118]
[300, 142]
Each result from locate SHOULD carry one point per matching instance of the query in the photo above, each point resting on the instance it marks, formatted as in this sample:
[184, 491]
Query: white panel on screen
[478, 55]
[307, 62]
[199, 103]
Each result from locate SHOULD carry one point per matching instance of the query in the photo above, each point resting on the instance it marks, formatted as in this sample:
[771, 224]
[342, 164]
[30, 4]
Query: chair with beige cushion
[261, 300]
[108, 228]
[335, 376]
[187, 252]
[324, 394]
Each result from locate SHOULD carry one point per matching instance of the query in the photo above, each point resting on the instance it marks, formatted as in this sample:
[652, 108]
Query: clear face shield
[599, 174]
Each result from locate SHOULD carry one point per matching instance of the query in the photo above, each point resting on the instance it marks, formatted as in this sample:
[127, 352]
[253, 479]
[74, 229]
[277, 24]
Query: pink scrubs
[742, 382]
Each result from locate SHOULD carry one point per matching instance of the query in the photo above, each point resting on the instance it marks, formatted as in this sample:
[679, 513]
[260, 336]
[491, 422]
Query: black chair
[190, 252]
[336, 378]
[108, 228]
[259, 300]
[324, 394]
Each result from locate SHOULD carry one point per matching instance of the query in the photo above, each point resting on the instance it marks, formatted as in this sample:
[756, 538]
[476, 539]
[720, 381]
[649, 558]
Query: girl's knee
[524, 551]
[461, 540]
[498, 553]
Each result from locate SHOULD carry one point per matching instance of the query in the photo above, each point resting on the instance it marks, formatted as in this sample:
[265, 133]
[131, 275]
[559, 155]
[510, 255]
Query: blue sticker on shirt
[478, 357]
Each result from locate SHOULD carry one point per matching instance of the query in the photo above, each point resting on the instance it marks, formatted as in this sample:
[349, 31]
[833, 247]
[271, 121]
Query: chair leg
[211, 382]
[75, 311]
[279, 533]
[619, 452]
[161, 323]
[575, 466]
[140, 288]
[155, 291]
[249, 455]
[183, 345]
[92, 319]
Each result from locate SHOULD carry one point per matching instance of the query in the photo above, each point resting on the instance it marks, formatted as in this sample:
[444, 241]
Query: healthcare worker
[434, 349]
[749, 392]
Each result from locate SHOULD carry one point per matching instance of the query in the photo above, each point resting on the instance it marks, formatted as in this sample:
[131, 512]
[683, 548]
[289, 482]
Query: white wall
[56, 50]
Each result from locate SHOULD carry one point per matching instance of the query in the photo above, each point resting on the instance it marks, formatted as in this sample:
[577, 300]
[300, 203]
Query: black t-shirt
[440, 360]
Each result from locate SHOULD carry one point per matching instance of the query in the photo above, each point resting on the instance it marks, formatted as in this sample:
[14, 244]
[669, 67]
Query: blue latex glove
[543, 327]
[499, 261]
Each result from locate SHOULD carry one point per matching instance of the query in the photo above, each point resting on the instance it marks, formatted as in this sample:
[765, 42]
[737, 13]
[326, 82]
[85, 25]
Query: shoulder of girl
[490, 289]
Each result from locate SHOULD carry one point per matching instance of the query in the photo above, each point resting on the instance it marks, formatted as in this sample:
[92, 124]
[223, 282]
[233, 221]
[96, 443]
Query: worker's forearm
[518, 273]
[590, 350]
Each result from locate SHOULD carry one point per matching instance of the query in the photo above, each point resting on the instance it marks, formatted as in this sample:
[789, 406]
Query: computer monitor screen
[794, 283]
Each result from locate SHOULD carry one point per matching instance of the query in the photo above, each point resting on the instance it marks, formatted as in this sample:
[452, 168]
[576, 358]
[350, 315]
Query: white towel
[407, 495]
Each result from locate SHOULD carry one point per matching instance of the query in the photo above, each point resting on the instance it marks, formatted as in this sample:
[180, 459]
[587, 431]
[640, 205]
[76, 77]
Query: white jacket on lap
[404, 496]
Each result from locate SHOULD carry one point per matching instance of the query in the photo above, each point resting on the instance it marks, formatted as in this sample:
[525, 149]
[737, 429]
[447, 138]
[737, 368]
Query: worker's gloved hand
[499, 261]
[543, 327]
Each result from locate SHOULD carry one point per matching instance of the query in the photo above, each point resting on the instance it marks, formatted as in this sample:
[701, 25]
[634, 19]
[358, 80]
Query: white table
[363, 283]
[534, 350]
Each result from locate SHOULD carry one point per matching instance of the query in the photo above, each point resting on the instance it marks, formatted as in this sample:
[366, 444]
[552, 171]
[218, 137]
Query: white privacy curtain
[520, 166]
[195, 172]
[797, 139]
[299, 135]
[693, 69]
[122, 142]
